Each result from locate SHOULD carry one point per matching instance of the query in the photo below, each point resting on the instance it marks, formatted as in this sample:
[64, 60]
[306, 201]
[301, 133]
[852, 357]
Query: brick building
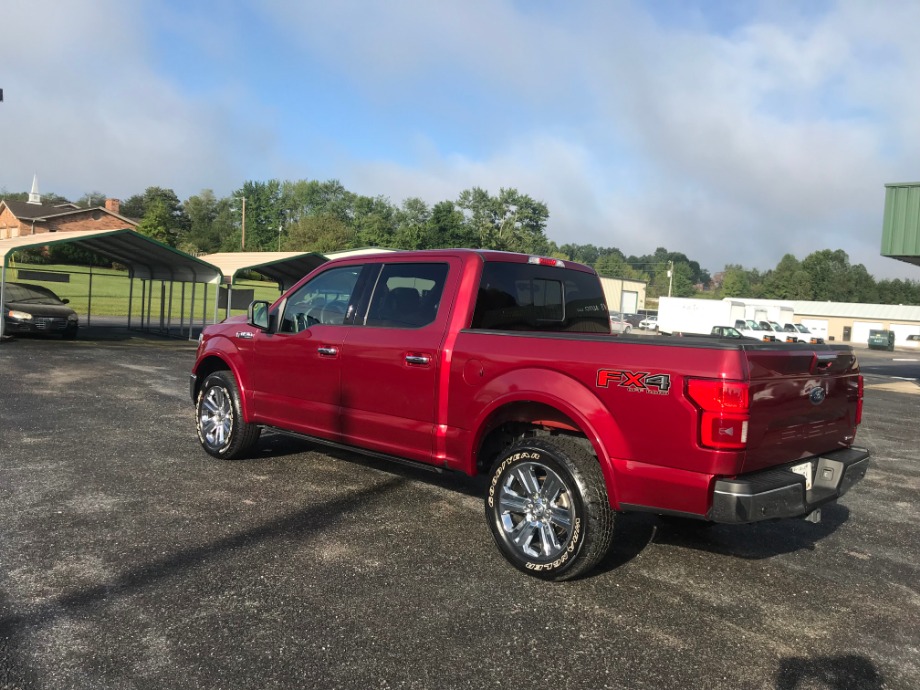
[32, 217]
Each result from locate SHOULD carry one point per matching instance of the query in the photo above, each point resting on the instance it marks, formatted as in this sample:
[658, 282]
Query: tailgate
[803, 403]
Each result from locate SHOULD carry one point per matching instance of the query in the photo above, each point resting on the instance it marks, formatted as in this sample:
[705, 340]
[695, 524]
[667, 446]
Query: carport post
[2, 291]
[162, 302]
[182, 311]
[89, 300]
[149, 303]
[130, 297]
[169, 310]
[216, 303]
[191, 314]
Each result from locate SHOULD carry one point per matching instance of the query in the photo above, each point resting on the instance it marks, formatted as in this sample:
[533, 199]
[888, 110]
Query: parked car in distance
[634, 319]
[752, 329]
[36, 309]
[618, 323]
[649, 324]
[802, 334]
[775, 330]
[912, 341]
[726, 332]
[881, 340]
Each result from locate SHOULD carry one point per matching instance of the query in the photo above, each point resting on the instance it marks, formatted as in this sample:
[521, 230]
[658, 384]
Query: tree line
[315, 216]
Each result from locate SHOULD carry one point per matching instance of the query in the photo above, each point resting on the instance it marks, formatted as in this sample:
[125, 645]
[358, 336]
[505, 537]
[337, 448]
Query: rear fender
[510, 393]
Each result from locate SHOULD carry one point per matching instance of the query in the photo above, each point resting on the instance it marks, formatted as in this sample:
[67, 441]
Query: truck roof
[483, 254]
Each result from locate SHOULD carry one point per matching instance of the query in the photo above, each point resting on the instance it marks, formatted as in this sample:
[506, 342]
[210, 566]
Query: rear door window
[407, 295]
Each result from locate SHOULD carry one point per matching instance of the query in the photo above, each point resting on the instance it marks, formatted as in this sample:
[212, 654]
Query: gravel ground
[131, 559]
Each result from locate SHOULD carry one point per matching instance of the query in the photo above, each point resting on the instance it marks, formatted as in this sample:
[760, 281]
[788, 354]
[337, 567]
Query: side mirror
[257, 315]
[65, 301]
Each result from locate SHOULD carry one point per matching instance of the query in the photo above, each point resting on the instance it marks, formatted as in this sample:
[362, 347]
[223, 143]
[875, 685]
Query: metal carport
[285, 268]
[145, 259]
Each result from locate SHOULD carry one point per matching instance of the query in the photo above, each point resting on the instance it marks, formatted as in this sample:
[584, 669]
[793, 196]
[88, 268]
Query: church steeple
[34, 196]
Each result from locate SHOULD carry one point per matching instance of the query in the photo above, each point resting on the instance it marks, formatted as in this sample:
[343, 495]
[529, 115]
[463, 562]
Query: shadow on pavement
[846, 672]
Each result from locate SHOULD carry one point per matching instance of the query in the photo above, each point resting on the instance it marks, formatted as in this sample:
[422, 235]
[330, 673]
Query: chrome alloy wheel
[215, 417]
[536, 510]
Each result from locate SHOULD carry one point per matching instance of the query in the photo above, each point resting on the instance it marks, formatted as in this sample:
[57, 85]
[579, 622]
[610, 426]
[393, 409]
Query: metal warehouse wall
[901, 229]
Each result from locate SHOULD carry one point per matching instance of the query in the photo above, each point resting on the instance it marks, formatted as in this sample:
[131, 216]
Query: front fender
[222, 353]
[563, 393]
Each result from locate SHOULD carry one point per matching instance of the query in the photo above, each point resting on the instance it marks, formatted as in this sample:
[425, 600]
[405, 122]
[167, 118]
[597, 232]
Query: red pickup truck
[502, 364]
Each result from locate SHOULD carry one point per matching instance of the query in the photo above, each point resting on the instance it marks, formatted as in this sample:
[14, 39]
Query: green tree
[613, 264]
[135, 206]
[789, 280]
[735, 282]
[447, 227]
[264, 214]
[209, 220]
[321, 233]
[89, 200]
[157, 223]
[511, 221]
[373, 220]
[413, 229]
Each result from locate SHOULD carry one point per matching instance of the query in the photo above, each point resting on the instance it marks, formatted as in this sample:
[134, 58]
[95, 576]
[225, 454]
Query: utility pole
[243, 243]
[279, 236]
[670, 276]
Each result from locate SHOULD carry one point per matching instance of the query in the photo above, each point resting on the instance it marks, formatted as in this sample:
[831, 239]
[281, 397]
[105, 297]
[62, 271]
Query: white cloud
[732, 146]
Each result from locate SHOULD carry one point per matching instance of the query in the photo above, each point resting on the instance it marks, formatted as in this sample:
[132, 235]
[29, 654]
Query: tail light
[859, 399]
[724, 412]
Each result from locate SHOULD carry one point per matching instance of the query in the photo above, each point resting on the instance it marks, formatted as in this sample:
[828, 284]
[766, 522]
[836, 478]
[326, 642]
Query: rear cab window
[534, 297]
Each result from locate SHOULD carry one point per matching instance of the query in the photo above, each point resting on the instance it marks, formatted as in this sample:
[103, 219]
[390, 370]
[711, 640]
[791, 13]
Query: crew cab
[504, 365]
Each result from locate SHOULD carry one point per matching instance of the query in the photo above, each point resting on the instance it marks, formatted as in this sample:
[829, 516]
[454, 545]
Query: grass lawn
[111, 287]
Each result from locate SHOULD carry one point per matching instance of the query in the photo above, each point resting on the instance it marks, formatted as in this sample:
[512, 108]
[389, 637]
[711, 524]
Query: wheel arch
[571, 410]
[215, 361]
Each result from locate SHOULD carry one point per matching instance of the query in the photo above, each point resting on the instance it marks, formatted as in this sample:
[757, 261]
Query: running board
[362, 451]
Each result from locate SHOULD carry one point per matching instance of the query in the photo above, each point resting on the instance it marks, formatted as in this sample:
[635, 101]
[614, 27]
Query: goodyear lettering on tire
[576, 536]
[524, 455]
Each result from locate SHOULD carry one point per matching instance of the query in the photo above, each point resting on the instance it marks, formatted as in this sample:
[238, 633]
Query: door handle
[327, 351]
[418, 360]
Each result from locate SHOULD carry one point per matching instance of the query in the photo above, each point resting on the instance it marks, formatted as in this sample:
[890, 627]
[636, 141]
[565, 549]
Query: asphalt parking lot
[131, 559]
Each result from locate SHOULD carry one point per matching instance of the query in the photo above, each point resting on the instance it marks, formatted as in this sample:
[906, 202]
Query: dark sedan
[36, 309]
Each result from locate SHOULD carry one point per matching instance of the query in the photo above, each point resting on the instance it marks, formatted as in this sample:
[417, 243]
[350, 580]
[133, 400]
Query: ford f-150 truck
[501, 364]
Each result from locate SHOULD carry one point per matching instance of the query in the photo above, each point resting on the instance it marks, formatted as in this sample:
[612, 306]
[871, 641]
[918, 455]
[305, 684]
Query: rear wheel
[221, 429]
[547, 508]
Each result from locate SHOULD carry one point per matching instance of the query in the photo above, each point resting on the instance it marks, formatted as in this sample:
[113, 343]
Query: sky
[734, 131]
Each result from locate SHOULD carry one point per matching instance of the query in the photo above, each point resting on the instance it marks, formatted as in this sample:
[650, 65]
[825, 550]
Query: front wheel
[222, 430]
[547, 508]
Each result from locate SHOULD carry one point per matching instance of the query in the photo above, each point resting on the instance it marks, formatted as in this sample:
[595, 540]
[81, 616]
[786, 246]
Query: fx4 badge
[635, 381]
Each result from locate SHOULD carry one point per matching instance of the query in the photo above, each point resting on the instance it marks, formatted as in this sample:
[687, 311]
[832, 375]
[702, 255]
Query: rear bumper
[780, 493]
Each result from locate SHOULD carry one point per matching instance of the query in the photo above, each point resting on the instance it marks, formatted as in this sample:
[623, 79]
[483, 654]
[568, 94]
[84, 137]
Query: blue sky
[735, 132]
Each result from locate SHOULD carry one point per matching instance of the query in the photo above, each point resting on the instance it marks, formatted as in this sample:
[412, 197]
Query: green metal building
[901, 230]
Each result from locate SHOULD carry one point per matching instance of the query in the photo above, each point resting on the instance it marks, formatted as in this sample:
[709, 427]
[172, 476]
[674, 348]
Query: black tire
[547, 508]
[221, 429]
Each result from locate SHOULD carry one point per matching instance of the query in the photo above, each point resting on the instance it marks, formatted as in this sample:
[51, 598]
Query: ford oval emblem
[817, 395]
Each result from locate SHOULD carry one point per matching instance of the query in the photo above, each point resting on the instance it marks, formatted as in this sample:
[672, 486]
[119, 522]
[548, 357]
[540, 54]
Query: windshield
[801, 329]
[33, 294]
